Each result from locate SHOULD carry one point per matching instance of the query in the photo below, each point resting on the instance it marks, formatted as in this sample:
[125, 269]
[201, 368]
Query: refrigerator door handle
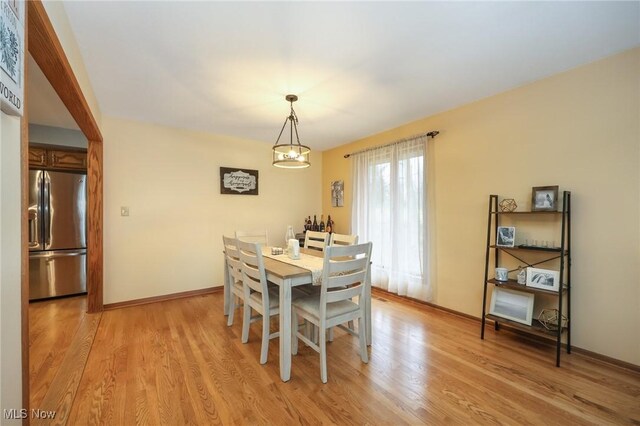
[47, 210]
[57, 254]
[33, 226]
[35, 212]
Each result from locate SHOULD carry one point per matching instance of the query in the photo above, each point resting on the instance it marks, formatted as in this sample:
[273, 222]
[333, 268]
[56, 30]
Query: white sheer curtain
[390, 209]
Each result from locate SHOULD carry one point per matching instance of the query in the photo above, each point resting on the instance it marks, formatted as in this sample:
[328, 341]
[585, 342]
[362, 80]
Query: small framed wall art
[337, 193]
[238, 181]
[545, 279]
[544, 199]
[513, 305]
[506, 236]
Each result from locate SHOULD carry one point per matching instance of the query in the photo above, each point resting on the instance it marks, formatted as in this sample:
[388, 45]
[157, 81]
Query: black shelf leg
[493, 200]
[567, 200]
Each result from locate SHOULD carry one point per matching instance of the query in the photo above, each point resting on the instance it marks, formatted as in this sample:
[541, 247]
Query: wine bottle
[314, 227]
[329, 228]
[306, 225]
[322, 227]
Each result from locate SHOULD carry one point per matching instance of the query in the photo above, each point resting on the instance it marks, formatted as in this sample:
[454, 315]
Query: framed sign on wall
[238, 181]
[12, 13]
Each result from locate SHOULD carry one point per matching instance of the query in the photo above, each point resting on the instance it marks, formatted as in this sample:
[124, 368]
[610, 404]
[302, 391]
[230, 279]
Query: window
[389, 209]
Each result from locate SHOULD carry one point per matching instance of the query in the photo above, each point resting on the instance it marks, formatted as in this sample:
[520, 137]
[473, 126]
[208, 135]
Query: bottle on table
[329, 227]
[322, 226]
[290, 235]
[314, 226]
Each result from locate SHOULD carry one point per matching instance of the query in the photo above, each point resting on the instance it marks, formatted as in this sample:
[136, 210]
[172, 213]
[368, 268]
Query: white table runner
[306, 261]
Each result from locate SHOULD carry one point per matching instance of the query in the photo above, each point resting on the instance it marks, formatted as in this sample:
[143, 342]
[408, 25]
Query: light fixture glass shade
[292, 155]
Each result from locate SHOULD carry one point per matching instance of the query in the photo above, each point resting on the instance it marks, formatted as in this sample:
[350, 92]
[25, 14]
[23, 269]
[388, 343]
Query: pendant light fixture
[292, 155]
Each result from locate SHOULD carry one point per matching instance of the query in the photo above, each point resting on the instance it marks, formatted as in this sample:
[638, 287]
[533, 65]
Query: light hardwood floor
[52, 327]
[60, 337]
[177, 362]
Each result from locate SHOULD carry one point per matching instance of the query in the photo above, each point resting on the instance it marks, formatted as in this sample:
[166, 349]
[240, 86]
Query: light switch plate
[124, 211]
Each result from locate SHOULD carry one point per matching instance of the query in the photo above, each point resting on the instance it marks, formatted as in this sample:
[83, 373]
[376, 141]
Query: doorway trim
[46, 49]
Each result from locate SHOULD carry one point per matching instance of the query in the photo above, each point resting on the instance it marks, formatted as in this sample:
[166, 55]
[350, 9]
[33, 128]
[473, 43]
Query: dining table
[286, 275]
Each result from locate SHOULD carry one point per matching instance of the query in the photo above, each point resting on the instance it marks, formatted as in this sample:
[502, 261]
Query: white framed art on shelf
[512, 305]
[545, 279]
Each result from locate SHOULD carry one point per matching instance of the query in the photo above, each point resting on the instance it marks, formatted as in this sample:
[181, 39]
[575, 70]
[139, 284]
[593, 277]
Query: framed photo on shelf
[512, 305]
[545, 279]
[506, 236]
[544, 198]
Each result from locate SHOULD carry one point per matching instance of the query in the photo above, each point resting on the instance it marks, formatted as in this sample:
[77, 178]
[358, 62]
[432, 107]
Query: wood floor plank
[176, 362]
[52, 327]
[63, 389]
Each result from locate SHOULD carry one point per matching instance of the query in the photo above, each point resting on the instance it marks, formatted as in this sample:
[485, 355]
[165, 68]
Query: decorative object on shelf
[337, 193]
[549, 319]
[513, 305]
[238, 181]
[522, 276]
[506, 236]
[544, 198]
[545, 279]
[292, 155]
[508, 205]
[502, 274]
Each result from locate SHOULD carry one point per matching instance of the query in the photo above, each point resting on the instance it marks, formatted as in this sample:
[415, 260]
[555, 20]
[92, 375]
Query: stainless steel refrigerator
[57, 234]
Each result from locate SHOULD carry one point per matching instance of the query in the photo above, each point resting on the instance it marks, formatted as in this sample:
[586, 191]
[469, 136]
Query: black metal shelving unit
[563, 253]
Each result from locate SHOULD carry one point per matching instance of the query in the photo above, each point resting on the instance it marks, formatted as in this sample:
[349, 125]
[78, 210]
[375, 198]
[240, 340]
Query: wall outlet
[124, 211]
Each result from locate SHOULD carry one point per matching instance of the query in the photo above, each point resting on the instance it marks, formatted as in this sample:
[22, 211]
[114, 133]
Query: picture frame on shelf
[512, 305]
[506, 236]
[544, 198]
[545, 279]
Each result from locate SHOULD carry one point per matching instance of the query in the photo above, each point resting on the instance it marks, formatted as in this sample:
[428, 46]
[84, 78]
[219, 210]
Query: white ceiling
[45, 106]
[358, 67]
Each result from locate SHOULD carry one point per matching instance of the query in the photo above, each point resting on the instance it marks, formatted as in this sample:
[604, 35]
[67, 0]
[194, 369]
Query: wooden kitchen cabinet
[67, 160]
[57, 158]
[37, 157]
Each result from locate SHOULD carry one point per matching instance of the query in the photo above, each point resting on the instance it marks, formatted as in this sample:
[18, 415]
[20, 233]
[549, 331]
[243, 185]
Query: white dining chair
[342, 239]
[234, 270]
[260, 236]
[316, 240]
[343, 277]
[258, 295]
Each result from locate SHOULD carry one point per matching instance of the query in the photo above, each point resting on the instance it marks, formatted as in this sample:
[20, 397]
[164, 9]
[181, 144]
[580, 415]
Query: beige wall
[10, 278]
[580, 130]
[60, 21]
[169, 178]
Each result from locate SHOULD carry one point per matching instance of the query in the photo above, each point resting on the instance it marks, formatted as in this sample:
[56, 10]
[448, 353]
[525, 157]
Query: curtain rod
[431, 134]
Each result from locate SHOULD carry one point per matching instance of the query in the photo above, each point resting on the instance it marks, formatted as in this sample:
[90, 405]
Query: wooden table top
[286, 270]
